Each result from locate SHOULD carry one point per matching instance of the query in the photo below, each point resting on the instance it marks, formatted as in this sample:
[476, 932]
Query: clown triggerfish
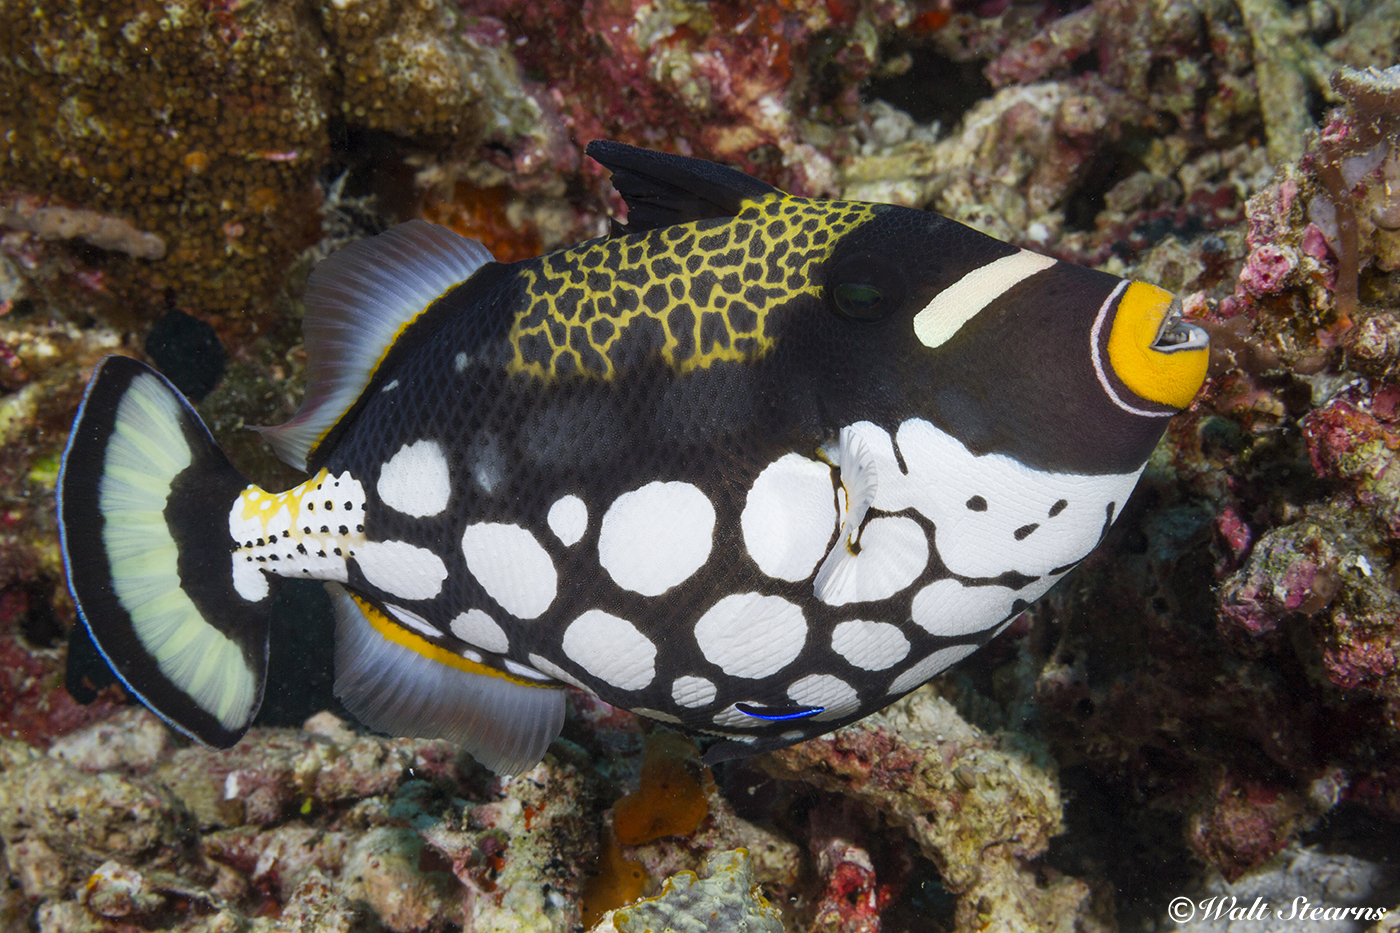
[753, 465]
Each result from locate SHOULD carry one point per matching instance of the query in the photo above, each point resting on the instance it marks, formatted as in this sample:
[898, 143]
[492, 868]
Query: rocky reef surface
[1209, 707]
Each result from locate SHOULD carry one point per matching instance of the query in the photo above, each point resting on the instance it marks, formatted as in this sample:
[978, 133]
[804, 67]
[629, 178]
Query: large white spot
[938, 661]
[477, 628]
[789, 516]
[405, 570]
[871, 646]
[415, 480]
[568, 519]
[946, 607]
[991, 512]
[692, 692]
[960, 302]
[611, 649]
[836, 697]
[751, 635]
[655, 537]
[512, 567]
[893, 552]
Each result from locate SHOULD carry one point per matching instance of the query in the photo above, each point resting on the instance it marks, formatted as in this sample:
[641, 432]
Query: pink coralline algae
[1241, 826]
[853, 898]
[1268, 268]
[1354, 446]
[1288, 573]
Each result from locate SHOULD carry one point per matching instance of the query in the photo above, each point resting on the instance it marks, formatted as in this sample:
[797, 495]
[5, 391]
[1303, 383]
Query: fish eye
[865, 287]
[857, 300]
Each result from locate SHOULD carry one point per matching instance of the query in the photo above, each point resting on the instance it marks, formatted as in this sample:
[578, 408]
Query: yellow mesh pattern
[693, 294]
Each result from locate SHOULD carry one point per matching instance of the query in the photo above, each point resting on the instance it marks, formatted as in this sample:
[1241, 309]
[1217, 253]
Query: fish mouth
[1177, 334]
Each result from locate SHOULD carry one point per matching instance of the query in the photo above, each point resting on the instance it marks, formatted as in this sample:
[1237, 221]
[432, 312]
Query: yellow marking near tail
[258, 502]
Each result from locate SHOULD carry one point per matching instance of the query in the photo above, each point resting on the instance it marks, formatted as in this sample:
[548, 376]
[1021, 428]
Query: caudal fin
[143, 503]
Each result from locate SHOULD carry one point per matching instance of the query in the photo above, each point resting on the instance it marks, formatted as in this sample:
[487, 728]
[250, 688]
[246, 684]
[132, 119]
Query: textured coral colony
[1209, 707]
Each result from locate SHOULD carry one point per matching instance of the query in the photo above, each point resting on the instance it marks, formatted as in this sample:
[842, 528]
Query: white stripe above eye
[960, 302]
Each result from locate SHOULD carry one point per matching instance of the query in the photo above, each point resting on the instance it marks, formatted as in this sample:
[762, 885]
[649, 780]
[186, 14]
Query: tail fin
[143, 503]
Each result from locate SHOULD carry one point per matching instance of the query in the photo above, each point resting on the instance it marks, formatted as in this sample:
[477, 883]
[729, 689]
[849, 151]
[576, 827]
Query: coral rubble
[305, 832]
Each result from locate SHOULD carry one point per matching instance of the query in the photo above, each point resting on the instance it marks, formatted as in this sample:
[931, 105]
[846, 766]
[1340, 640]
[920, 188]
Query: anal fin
[398, 682]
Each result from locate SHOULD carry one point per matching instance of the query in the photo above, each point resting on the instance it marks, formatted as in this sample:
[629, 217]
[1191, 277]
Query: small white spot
[793, 735]
[512, 567]
[488, 464]
[415, 480]
[414, 621]
[248, 579]
[568, 519]
[946, 607]
[546, 666]
[692, 692]
[471, 655]
[939, 660]
[789, 517]
[751, 635]
[390, 386]
[657, 536]
[611, 649]
[656, 714]
[477, 628]
[405, 570]
[520, 670]
[460, 361]
[836, 697]
[893, 552]
[871, 646]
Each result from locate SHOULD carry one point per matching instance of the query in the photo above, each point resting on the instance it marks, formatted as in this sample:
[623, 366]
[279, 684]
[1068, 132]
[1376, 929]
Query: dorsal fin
[663, 189]
[358, 302]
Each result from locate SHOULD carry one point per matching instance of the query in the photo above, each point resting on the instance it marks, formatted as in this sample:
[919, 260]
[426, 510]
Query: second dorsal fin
[663, 189]
[358, 302]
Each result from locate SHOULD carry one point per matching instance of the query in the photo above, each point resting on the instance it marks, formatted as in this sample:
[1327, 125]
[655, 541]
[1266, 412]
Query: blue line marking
[778, 713]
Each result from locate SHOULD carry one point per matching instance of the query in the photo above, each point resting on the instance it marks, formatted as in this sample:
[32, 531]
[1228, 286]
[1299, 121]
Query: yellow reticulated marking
[694, 294]
[262, 505]
[421, 646]
[1157, 376]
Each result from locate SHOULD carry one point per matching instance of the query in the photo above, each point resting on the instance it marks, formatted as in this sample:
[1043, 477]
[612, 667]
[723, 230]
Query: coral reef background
[1208, 707]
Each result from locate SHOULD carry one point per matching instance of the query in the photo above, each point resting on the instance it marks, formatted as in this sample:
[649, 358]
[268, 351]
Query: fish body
[753, 465]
